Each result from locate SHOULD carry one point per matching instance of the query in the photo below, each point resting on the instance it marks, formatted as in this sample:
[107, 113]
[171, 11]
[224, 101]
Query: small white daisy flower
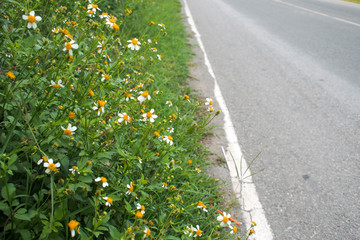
[31, 18]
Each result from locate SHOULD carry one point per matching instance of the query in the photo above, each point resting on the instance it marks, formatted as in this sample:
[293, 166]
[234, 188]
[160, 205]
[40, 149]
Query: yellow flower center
[234, 229]
[91, 93]
[45, 159]
[145, 94]
[115, 26]
[148, 115]
[68, 46]
[71, 115]
[189, 161]
[142, 208]
[198, 232]
[52, 167]
[101, 103]
[156, 134]
[56, 86]
[147, 232]
[170, 138]
[225, 219]
[67, 132]
[112, 20]
[91, 11]
[11, 75]
[73, 224]
[103, 179]
[138, 214]
[31, 19]
[131, 188]
[210, 102]
[94, 5]
[126, 117]
[109, 200]
[107, 77]
[134, 41]
[128, 95]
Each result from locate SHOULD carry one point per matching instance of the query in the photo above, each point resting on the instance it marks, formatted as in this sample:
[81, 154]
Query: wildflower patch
[96, 132]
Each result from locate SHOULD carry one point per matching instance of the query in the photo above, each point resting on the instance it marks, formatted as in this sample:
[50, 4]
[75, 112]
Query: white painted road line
[319, 13]
[244, 189]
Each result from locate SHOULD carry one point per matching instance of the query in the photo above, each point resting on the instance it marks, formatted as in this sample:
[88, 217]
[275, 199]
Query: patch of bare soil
[203, 85]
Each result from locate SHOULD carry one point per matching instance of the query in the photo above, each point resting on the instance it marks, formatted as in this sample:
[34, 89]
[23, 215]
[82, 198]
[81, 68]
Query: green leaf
[114, 233]
[8, 195]
[25, 234]
[3, 205]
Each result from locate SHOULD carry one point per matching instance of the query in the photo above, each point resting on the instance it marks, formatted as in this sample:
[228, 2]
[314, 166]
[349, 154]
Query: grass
[354, 1]
[101, 141]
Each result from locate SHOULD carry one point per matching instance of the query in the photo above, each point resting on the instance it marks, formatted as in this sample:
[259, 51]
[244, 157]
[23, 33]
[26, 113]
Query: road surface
[289, 73]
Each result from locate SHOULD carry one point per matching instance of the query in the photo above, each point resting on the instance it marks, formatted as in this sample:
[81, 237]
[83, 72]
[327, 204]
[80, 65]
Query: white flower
[100, 47]
[31, 18]
[161, 25]
[69, 130]
[123, 117]
[154, 49]
[233, 229]
[189, 230]
[105, 77]
[197, 231]
[150, 116]
[129, 96]
[56, 85]
[144, 95]
[170, 129]
[209, 102]
[69, 46]
[111, 22]
[141, 208]
[99, 106]
[130, 187]
[147, 232]
[93, 7]
[104, 15]
[169, 140]
[109, 201]
[224, 219]
[134, 44]
[74, 170]
[164, 185]
[159, 56]
[201, 206]
[103, 180]
[50, 166]
[169, 103]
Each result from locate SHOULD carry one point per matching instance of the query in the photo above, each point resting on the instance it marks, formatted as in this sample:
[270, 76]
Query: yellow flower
[189, 161]
[10, 75]
[71, 115]
[91, 93]
[139, 214]
[69, 130]
[72, 225]
[157, 134]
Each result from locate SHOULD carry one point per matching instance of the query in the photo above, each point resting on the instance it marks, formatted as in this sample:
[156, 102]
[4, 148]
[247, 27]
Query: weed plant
[98, 139]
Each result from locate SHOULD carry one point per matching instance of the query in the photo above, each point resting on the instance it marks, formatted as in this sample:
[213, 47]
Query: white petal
[57, 165]
[47, 171]
[25, 17]
[70, 52]
[38, 18]
[29, 25]
[46, 164]
[40, 161]
[50, 160]
[97, 179]
[32, 13]
[34, 25]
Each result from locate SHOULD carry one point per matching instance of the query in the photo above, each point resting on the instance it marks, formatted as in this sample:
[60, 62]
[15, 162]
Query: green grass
[354, 1]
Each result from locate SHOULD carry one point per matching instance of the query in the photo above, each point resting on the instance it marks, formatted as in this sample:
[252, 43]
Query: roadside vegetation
[98, 138]
[354, 1]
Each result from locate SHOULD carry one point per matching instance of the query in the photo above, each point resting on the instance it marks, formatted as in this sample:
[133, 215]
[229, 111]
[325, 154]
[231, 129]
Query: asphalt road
[289, 73]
